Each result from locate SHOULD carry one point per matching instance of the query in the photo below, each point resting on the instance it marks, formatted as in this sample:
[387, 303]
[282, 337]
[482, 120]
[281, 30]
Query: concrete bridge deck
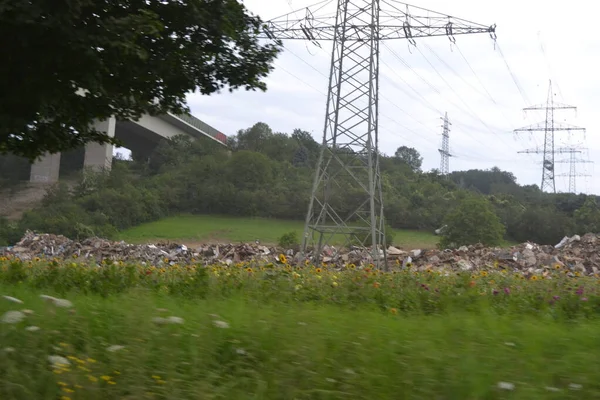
[141, 136]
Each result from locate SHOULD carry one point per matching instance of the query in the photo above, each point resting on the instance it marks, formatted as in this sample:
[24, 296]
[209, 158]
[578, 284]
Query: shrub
[289, 240]
[473, 221]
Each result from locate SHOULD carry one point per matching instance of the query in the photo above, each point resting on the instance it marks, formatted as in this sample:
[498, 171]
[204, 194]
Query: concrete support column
[99, 156]
[46, 169]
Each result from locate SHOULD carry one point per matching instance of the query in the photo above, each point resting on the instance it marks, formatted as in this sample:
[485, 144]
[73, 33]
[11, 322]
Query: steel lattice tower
[549, 126]
[445, 150]
[348, 168]
[573, 161]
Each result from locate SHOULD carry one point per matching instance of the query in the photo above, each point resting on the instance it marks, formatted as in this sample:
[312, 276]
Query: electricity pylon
[347, 171]
[573, 174]
[445, 150]
[549, 126]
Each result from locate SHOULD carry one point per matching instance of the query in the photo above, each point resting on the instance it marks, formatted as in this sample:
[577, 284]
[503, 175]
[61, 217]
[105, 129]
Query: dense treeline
[270, 174]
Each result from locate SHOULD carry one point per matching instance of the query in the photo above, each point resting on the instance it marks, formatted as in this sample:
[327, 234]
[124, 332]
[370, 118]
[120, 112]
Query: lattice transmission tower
[573, 174]
[445, 150]
[347, 173]
[549, 126]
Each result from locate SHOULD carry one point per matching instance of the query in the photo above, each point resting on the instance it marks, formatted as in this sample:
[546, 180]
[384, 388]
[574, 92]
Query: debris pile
[574, 255]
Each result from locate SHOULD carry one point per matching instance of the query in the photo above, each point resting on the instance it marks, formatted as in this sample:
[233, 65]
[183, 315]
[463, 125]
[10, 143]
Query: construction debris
[577, 255]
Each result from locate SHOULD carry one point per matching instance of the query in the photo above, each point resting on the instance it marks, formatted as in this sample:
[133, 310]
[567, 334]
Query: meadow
[214, 228]
[75, 330]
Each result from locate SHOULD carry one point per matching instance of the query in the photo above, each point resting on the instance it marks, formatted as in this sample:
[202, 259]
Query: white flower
[12, 317]
[575, 386]
[506, 386]
[32, 328]
[63, 303]
[552, 389]
[175, 320]
[13, 299]
[115, 347]
[159, 320]
[221, 324]
[9, 350]
[26, 311]
[58, 361]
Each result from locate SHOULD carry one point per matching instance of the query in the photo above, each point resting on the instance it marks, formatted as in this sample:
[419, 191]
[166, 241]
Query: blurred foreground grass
[237, 348]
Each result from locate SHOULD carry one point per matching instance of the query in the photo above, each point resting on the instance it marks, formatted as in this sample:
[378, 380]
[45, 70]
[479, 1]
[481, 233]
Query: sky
[471, 80]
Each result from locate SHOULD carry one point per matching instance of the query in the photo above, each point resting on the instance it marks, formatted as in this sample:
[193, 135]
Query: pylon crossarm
[542, 126]
[397, 20]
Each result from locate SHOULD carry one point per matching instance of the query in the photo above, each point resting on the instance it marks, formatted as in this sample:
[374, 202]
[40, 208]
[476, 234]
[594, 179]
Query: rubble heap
[573, 255]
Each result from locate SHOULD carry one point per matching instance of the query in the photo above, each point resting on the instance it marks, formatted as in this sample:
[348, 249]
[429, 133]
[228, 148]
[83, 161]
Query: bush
[289, 240]
[473, 221]
[9, 232]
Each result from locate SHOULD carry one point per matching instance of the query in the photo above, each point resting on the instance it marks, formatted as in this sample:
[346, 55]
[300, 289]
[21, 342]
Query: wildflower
[175, 320]
[114, 348]
[105, 378]
[66, 389]
[376, 284]
[334, 284]
[92, 378]
[394, 311]
[506, 386]
[472, 283]
[32, 328]
[9, 350]
[484, 273]
[575, 386]
[13, 299]
[534, 278]
[12, 317]
[318, 270]
[557, 266]
[221, 324]
[58, 361]
[282, 259]
[111, 382]
[62, 384]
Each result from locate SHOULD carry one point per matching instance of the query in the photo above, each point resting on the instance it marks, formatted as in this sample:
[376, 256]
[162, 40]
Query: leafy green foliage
[588, 216]
[270, 174]
[410, 157]
[289, 240]
[473, 221]
[127, 58]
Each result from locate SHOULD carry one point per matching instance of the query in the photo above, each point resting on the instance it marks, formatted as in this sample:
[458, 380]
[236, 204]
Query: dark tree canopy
[410, 157]
[129, 58]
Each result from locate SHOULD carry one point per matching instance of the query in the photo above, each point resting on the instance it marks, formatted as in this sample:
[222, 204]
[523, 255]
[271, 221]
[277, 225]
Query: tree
[76, 61]
[587, 217]
[410, 157]
[473, 221]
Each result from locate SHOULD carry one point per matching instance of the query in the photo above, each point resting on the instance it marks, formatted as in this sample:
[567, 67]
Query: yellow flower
[334, 284]
[65, 389]
[92, 378]
[282, 259]
[105, 377]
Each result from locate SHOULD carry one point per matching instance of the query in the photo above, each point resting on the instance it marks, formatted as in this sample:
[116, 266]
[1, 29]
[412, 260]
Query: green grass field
[209, 228]
[264, 331]
[293, 351]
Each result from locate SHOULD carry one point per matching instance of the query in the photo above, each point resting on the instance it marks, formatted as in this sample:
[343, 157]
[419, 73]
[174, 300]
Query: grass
[274, 331]
[210, 228]
[293, 351]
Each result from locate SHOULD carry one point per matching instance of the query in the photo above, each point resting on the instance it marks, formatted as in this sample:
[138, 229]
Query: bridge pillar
[45, 169]
[99, 156]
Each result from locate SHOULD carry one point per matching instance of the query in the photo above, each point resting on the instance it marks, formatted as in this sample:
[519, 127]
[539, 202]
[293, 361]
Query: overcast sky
[484, 106]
